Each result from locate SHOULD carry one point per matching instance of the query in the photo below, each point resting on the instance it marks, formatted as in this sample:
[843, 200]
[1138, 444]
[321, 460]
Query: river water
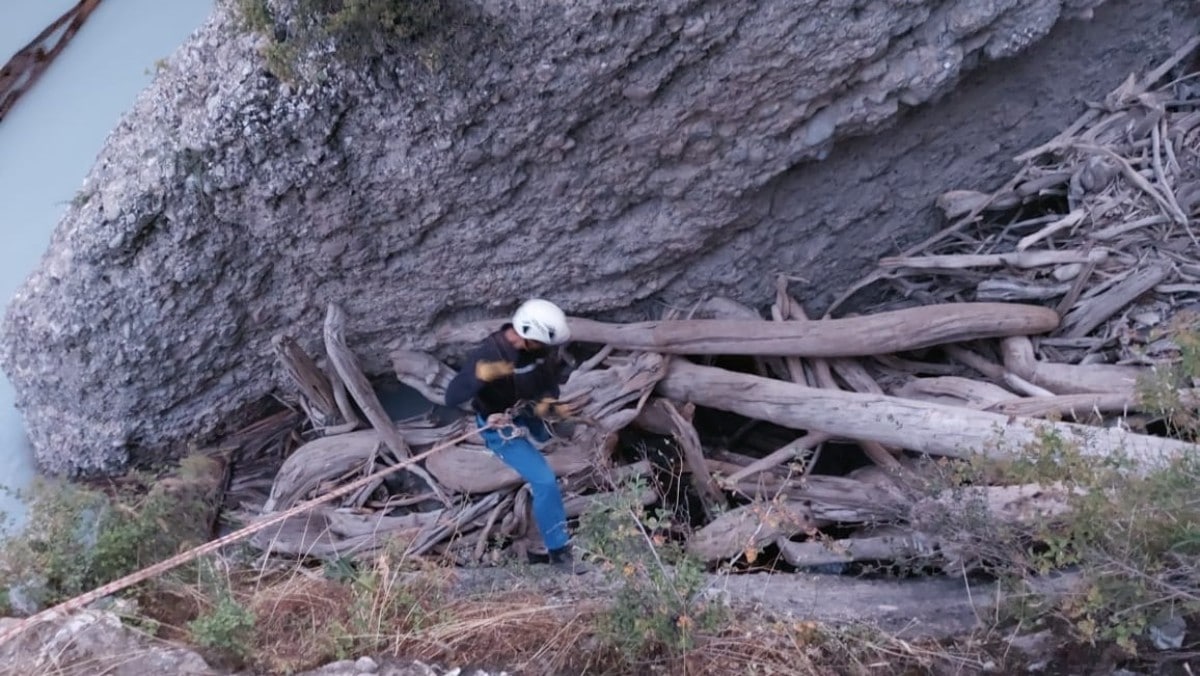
[51, 137]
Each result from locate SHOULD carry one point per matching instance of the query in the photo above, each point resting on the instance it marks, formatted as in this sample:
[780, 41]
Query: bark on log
[899, 546]
[968, 392]
[1089, 315]
[693, 455]
[785, 453]
[882, 333]
[326, 533]
[329, 458]
[1020, 259]
[312, 382]
[927, 428]
[424, 373]
[787, 308]
[346, 365]
[744, 530]
[449, 522]
[654, 417]
[473, 469]
[1066, 378]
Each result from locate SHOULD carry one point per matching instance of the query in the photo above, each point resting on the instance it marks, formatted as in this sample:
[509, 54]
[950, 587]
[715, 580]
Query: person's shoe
[563, 561]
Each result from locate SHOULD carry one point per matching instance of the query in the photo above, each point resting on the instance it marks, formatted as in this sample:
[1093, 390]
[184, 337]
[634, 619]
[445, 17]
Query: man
[511, 380]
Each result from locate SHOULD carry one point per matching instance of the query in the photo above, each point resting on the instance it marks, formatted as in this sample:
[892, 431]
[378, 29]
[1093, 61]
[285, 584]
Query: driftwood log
[882, 333]
[317, 397]
[918, 426]
[474, 469]
[1067, 378]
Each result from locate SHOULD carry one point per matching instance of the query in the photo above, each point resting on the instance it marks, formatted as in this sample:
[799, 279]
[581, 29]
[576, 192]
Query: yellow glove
[487, 371]
[549, 407]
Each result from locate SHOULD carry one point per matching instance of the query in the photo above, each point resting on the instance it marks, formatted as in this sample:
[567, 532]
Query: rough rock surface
[96, 642]
[93, 642]
[598, 153]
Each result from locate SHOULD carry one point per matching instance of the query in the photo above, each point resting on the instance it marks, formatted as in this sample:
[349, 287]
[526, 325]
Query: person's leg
[548, 510]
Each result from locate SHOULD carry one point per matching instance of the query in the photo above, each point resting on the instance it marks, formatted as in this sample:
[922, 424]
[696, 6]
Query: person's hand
[487, 371]
[498, 420]
[550, 407]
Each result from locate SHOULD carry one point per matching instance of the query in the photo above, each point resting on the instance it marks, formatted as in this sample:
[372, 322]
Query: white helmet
[542, 321]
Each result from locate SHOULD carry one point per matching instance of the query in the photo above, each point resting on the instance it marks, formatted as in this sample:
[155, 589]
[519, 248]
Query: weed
[77, 538]
[355, 32]
[658, 606]
[1129, 531]
[228, 627]
[255, 15]
[281, 58]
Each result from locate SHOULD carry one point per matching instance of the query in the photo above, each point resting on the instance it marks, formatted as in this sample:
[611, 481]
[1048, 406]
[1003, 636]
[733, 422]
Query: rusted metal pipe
[28, 64]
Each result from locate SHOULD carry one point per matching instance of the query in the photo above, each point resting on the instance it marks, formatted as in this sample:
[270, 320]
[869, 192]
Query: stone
[94, 642]
[1167, 631]
[604, 155]
[366, 665]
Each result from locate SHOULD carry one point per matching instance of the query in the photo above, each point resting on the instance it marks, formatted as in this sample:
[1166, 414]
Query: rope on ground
[79, 602]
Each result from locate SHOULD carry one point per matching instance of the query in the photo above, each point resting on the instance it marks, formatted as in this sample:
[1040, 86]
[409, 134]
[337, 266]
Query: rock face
[96, 642]
[93, 642]
[598, 153]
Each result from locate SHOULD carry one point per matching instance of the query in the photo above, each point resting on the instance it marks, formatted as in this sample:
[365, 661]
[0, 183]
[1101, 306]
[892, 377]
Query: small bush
[354, 31]
[77, 538]
[1131, 531]
[228, 628]
[256, 15]
[659, 606]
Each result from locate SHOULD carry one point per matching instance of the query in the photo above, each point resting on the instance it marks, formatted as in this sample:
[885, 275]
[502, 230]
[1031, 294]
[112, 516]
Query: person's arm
[464, 385]
[483, 365]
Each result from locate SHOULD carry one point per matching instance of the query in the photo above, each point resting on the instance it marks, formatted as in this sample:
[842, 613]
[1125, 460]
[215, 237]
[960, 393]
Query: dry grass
[305, 620]
[298, 620]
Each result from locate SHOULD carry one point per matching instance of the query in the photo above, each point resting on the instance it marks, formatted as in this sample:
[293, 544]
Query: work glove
[550, 408]
[488, 371]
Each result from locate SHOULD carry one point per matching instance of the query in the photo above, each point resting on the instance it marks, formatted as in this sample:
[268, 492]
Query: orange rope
[82, 600]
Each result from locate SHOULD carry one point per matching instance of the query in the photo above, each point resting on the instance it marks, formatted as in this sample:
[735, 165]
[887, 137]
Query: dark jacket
[536, 376]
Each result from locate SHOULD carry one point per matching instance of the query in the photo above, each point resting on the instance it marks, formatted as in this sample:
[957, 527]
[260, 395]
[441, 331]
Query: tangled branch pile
[1040, 312]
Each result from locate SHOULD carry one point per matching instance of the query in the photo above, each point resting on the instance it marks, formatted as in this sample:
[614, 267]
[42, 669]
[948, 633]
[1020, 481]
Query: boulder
[94, 642]
[600, 154]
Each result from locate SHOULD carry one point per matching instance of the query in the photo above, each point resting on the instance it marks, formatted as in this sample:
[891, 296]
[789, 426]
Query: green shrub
[256, 15]
[353, 31]
[228, 627]
[77, 538]
[658, 607]
[1132, 532]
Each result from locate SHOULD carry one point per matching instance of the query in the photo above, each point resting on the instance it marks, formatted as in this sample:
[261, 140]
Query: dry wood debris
[1041, 309]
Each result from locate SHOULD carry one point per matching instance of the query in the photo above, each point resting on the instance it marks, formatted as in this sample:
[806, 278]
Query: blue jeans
[520, 455]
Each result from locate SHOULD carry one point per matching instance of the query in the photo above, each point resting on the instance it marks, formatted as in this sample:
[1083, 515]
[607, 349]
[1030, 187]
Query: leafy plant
[228, 627]
[658, 606]
[353, 31]
[77, 538]
[1131, 530]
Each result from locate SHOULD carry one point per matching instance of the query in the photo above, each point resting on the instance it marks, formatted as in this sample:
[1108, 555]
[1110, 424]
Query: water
[51, 138]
